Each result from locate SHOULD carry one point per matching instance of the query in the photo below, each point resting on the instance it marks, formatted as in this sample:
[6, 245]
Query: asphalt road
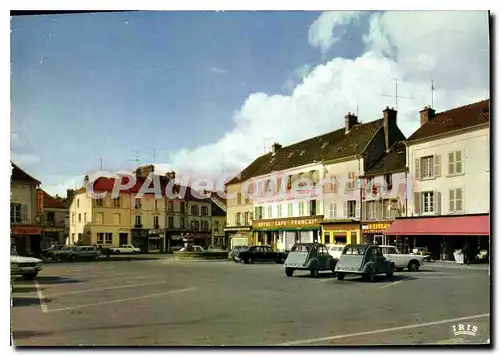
[171, 303]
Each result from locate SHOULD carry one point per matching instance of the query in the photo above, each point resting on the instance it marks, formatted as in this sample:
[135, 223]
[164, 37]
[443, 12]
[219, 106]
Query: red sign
[25, 230]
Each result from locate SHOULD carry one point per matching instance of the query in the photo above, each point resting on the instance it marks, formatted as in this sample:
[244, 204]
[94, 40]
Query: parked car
[422, 251]
[235, 251]
[58, 254]
[313, 257]
[79, 253]
[27, 267]
[402, 261]
[335, 250]
[364, 260]
[48, 252]
[260, 254]
[124, 249]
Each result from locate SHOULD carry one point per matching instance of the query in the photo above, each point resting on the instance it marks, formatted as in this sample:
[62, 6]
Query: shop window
[109, 238]
[340, 239]
[327, 238]
[100, 238]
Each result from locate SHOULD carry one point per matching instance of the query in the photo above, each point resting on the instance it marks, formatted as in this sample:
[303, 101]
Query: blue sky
[90, 84]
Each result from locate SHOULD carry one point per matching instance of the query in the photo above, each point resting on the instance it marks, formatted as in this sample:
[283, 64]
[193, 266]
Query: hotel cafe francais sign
[286, 223]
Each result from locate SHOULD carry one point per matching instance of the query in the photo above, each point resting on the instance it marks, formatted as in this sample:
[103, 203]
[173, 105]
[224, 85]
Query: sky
[205, 93]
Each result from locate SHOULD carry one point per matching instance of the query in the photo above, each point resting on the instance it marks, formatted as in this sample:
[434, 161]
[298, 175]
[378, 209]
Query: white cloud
[321, 32]
[449, 47]
[218, 71]
[296, 77]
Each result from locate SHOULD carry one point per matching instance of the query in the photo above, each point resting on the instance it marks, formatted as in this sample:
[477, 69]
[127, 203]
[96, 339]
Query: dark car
[313, 257]
[364, 260]
[261, 254]
[235, 251]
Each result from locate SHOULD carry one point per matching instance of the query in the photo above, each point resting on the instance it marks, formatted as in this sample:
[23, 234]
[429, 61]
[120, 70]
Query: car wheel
[289, 272]
[340, 276]
[314, 272]
[391, 271]
[29, 276]
[117, 252]
[413, 266]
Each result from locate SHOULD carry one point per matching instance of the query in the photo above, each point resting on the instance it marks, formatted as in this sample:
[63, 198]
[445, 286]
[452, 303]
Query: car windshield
[301, 248]
[358, 250]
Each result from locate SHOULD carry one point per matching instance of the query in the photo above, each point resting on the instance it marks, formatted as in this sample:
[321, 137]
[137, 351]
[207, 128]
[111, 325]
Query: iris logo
[465, 329]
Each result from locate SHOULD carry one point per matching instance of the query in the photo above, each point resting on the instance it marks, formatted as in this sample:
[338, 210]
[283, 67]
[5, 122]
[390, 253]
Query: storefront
[441, 236]
[373, 233]
[140, 239]
[52, 236]
[238, 236]
[341, 232]
[156, 240]
[26, 239]
[282, 234]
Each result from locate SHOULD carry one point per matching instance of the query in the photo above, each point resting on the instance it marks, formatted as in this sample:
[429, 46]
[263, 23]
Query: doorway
[123, 238]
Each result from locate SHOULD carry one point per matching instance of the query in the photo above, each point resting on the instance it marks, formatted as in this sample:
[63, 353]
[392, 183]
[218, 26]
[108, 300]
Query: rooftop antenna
[432, 93]
[136, 160]
[396, 96]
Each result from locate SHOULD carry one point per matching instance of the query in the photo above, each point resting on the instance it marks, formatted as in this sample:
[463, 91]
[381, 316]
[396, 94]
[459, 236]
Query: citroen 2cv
[313, 257]
[364, 260]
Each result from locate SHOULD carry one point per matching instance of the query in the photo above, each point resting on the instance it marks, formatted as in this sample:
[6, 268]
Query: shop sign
[39, 201]
[25, 230]
[376, 227]
[288, 223]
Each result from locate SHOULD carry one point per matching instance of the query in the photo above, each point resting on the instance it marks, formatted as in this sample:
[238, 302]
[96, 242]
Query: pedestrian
[465, 251]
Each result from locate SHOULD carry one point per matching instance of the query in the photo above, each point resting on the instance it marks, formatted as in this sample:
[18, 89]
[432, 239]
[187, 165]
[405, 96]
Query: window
[138, 220]
[73, 217]
[247, 221]
[289, 183]
[99, 218]
[98, 202]
[170, 222]
[51, 216]
[216, 226]
[183, 207]
[312, 207]
[351, 209]
[332, 210]
[428, 167]
[456, 197]
[194, 210]
[455, 164]
[109, 238]
[301, 208]
[123, 238]
[238, 219]
[290, 209]
[80, 218]
[371, 210]
[100, 238]
[327, 237]
[73, 237]
[279, 182]
[259, 212]
[137, 203]
[195, 225]
[156, 221]
[156, 204]
[204, 225]
[77, 203]
[170, 205]
[15, 213]
[351, 182]
[183, 223]
[279, 211]
[314, 175]
[428, 202]
[269, 211]
[388, 181]
[389, 250]
[204, 211]
[79, 236]
[84, 218]
[116, 202]
[238, 198]
[116, 218]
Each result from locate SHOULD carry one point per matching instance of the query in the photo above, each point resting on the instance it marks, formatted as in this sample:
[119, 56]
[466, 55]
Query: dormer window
[290, 154]
[325, 144]
[302, 152]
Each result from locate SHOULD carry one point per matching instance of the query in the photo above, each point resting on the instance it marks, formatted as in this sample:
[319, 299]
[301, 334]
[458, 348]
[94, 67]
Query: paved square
[166, 302]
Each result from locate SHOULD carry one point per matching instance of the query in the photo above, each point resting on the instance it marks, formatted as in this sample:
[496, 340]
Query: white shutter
[459, 197]
[451, 199]
[459, 162]
[345, 209]
[451, 163]
[358, 209]
[417, 168]
[437, 166]
[416, 203]
[334, 210]
[24, 213]
[437, 202]
[364, 210]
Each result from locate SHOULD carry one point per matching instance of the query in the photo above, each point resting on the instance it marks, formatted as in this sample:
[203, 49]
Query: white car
[335, 250]
[27, 267]
[125, 249]
[402, 261]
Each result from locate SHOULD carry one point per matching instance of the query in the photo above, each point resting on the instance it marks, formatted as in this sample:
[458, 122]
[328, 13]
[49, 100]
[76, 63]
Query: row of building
[154, 225]
[429, 190]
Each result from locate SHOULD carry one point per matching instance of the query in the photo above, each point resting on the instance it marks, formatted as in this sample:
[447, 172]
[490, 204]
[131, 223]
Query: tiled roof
[454, 119]
[216, 210]
[391, 162]
[330, 146]
[52, 202]
[19, 175]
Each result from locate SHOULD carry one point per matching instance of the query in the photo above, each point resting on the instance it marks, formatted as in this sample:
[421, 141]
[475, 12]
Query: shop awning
[442, 226]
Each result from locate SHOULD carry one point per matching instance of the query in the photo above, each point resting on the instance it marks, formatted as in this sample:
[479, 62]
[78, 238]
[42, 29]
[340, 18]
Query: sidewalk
[452, 264]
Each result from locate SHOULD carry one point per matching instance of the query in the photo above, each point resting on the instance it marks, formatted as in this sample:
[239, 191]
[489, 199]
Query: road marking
[394, 283]
[41, 298]
[106, 288]
[121, 300]
[380, 331]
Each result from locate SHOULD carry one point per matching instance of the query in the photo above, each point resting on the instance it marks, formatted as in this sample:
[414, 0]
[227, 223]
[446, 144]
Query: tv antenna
[396, 96]
[136, 160]
[432, 93]
[267, 146]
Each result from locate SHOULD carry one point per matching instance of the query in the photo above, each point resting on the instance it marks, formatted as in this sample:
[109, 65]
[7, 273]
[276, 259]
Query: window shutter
[451, 197]
[416, 202]
[459, 198]
[437, 166]
[417, 168]
[365, 211]
[334, 210]
[451, 163]
[459, 166]
[437, 199]
[24, 213]
[345, 209]
[358, 208]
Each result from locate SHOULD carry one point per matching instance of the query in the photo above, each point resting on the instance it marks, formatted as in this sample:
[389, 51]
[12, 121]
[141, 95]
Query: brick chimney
[427, 114]
[390, 126]
[276, 147]
[144, 171]
[350, 121]
[69, 193]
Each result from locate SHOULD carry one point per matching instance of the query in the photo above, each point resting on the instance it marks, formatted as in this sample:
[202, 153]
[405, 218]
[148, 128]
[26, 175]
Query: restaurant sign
[25, 230]
[287, 223]
[376, 227]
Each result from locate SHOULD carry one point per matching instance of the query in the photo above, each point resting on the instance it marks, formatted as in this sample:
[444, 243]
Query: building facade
[448, 161]
[25, 206]
[218, 221]
[53, 220]
[239, 214]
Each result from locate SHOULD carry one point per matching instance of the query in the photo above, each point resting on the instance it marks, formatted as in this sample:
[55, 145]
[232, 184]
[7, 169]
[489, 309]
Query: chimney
[144, 171]
[390, 127]
[427, 114]
[86, 181]
[350, 121]
[170, 175]
[69, 193]
[276, 147]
